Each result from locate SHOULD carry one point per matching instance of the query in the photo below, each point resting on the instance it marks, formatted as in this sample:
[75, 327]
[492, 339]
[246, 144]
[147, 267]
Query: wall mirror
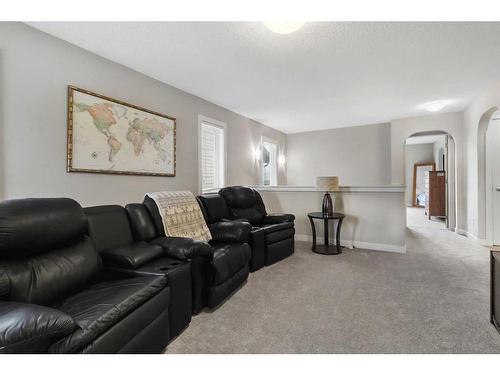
[419, 180]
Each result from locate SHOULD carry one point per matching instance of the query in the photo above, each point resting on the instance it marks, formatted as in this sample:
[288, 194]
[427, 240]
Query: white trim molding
[350, 244]
[480, 241]
[343, 189]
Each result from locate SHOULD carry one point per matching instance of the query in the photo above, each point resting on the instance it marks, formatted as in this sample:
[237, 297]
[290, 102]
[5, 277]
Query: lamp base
[327, 208]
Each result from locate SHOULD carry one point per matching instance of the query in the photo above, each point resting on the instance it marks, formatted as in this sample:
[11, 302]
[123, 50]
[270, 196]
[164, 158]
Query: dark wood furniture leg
[325, 229]
[314, 233]
[337, 236]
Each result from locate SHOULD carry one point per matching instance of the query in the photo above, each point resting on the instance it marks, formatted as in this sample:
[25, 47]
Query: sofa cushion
[48, 277]
[184, 248]
[152, 208]
[108, 226]
[102, 305]
[228, 259]
[132, 255]
[36, 225]
[276, 227]
[141, 223]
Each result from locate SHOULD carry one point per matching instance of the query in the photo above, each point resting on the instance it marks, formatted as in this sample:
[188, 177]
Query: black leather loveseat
[272, 235]
[218, 268]
[55, 294]
[110, 230]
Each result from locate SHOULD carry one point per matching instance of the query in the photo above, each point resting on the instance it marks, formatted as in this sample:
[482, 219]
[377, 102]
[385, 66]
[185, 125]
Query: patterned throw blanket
[181, 215]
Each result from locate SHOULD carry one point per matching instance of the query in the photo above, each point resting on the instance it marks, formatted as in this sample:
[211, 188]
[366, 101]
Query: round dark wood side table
[326, 249]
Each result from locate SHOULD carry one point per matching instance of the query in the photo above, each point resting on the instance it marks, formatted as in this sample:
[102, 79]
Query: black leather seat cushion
[276, 227]
[102, 305]
[132, 255]
[229, 259]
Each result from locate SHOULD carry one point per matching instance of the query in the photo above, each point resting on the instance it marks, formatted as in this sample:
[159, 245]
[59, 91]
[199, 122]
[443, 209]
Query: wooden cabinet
[435, 192]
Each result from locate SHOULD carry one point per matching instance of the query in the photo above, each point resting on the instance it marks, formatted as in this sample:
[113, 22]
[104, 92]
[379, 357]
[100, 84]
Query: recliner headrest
[36, 225]
[108, 226]
[214, 207]
[240, 196]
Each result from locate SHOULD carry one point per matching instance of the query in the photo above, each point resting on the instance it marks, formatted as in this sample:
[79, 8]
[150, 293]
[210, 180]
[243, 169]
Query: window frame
[221, 125]
[263, 140]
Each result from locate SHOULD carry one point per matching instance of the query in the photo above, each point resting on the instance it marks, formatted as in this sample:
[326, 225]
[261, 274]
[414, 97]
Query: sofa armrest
[241, 220]
[278, 218]
[185, 248]
[131, 256]
[29, 328]
[231, 231]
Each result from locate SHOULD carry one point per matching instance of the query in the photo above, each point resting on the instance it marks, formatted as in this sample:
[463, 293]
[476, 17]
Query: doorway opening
[488, 198]
[431, 180]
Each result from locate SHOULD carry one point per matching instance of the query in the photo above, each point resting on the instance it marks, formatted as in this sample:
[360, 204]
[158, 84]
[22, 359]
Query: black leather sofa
[218, 268]
[55, 294]
[110, 230]
[272, 235]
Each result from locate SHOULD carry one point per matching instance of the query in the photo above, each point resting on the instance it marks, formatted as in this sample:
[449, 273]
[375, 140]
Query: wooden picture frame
[149, 130]
[415, 167]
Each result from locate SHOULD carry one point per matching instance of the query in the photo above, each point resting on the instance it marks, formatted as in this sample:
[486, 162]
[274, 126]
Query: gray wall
[416, 154]
[35, 70]
[359, 155]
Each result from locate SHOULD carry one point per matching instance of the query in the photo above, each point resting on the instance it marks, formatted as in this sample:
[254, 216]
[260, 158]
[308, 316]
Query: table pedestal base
[327, 250]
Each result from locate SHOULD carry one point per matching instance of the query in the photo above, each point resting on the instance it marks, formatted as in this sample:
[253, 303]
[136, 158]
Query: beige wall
[35, 70]
[358, 155]
[374, 220]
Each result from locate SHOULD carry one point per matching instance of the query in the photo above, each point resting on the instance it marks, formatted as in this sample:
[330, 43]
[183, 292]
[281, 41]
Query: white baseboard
[356, 244]
[461, 232]
[473, 237]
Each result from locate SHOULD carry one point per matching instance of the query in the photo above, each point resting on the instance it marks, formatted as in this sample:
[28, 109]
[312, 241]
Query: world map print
[113, 137]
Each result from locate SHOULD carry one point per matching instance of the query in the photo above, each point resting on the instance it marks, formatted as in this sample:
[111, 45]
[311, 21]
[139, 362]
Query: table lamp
[327, 184]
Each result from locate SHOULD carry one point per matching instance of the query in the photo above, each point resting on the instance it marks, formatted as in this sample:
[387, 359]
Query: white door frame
[489, 181]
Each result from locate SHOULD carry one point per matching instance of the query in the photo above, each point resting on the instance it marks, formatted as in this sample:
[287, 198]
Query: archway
[484, 183]
[443, 155]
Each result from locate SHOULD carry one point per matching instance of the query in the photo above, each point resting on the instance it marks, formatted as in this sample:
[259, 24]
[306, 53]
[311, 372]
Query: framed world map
[106, 135]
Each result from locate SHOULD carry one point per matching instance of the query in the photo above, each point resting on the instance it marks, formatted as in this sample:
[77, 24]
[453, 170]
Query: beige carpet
[434, 299]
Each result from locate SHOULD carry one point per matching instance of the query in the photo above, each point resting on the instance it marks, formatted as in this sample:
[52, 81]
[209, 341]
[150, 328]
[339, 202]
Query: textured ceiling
[326, 75]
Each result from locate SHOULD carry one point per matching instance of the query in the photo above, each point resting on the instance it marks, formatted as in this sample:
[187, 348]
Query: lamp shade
[330, 183]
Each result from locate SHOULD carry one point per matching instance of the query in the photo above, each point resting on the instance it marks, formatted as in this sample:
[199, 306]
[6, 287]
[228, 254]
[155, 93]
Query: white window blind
[212, 157]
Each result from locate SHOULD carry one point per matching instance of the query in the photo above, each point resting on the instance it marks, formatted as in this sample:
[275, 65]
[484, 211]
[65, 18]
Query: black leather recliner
[55, 295]
[110, 230]
[218, 268]
[272, 236]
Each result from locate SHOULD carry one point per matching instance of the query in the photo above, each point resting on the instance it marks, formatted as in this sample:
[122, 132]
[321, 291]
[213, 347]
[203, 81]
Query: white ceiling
[326, 75]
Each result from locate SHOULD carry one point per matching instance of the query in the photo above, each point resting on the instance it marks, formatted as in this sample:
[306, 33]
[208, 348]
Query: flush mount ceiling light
[435, 106]
[283, 27]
